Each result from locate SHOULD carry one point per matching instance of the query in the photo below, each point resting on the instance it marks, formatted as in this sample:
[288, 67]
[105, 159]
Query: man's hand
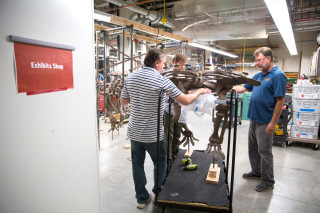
[124, 101]
[239, 89]
[186, 99]
[203, 91]
[271, 128]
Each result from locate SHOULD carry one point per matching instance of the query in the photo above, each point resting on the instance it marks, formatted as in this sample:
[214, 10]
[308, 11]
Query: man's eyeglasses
[258, 61]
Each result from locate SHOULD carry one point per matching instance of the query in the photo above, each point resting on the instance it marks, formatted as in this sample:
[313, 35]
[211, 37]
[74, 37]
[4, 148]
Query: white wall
[48, 154]
[306, 45]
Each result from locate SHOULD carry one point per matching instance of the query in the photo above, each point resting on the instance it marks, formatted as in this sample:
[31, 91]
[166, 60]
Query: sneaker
[264, 186]
[251, 175]
[142, 205]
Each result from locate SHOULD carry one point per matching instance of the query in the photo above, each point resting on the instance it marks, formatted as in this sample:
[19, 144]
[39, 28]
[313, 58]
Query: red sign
[42, 69]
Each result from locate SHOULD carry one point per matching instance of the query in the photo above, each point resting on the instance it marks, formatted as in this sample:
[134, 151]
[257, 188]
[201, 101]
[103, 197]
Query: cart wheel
[284, 144]
[315, 146]
[240, 123]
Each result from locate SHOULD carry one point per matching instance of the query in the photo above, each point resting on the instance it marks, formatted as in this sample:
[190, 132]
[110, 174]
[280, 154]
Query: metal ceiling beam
[127, 34]
[141, 27]
[151, 16]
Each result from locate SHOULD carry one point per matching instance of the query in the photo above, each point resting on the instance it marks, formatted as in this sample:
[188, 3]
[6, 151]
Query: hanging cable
[164, 8]
[316, 10]
[244, 52]
[289, 3]
[164, 19]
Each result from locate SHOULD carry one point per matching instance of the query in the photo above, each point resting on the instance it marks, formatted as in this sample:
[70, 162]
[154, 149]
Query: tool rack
[188, 189]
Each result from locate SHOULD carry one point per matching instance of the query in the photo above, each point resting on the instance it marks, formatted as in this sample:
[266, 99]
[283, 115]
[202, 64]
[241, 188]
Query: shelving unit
[292, 78]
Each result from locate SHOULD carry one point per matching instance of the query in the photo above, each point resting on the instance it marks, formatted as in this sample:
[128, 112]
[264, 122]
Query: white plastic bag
[203, 104]
[183, 115]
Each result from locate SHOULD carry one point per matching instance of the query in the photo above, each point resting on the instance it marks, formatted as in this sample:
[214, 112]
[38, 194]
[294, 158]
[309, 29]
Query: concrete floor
[296, 168]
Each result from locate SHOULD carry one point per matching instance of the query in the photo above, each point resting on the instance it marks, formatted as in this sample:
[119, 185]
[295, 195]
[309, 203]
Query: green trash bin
[246, 101]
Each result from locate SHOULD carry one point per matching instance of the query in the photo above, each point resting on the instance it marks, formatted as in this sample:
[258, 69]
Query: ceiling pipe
[154, 17]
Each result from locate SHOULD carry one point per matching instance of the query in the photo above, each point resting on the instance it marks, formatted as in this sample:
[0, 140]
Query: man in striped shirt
[142, 90]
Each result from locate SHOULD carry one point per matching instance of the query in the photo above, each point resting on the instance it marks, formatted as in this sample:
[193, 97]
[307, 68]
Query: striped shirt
[143, 88]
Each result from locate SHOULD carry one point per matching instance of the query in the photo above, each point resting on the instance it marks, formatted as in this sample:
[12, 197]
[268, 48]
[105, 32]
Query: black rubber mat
[188, 187]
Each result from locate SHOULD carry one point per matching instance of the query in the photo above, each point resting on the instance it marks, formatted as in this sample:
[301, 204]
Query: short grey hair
[152, 56]
[266, 51]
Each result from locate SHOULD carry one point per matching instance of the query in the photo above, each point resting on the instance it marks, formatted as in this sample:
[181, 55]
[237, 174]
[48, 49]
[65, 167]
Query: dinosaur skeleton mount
[113, 94]
[220, 82]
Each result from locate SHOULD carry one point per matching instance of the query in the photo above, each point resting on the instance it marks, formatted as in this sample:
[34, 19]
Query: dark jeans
[138, 154]
[174, 134]
[260, 151]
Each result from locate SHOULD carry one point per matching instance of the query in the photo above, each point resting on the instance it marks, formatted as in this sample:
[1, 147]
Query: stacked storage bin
[306, 111]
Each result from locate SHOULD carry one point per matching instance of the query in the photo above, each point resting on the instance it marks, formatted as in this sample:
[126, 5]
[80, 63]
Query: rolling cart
[306, 115]
[315, 142]
[188, 189]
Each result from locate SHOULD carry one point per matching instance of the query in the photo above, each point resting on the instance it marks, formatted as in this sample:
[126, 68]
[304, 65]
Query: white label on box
[310, 123]
[309, 96]
[304, 136]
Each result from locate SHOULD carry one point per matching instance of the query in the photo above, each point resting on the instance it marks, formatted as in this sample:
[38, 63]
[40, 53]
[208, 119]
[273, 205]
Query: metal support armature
[112, 91]
[220, 82]
[97, 86]
[215, 139]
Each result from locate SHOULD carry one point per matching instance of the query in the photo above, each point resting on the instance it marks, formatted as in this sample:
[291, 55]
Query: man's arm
[186, 99]
[124, 101]
[240, 89]
[277, 111]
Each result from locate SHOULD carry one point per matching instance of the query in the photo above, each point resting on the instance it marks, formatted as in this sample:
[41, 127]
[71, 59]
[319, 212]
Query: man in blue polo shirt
[142, 90]
[264, 110]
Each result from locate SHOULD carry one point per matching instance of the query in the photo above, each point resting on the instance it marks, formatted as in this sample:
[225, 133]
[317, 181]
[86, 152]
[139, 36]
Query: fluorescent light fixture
[101, 17]
[201, 46]
[279, 12]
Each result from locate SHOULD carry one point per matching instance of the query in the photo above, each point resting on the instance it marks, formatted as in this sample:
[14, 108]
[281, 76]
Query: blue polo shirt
[263, 98]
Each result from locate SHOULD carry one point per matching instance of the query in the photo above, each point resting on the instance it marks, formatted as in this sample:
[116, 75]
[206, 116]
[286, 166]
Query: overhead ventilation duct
[207, 20]
[153, 16]
[229, 31]
[137, 17]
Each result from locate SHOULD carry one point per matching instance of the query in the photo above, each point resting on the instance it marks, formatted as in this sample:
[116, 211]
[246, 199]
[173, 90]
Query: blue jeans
[138, 154]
